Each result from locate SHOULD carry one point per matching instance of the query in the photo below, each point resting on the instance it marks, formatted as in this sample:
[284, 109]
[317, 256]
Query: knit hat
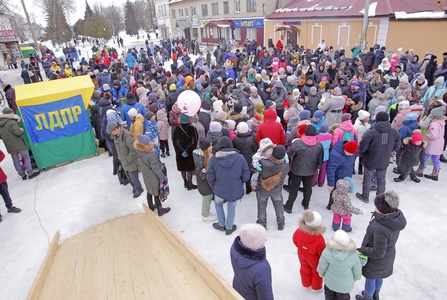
[351, 147]
[105, 87]
[242, 127]
[363, 114]
[221, 116]
[160, 114]
[341, 237]
[382, 116]
[204, 143]
[231, 124]
[152, 97]
[345, 117]
[253, 236]
[235, 92]
[311, 130]
[324, 78]
[324, 127]
[206, 105]
[215, 127]
[153, 83]
[290, 79]
[313, 89]
[111, 126]
[437, 112]
[279, 152]
[378, 109]
[149, 115]
[185, 119]
[246, 90]
[312, 218]
[268, 104]
[390, 91]
[168, 74]
[417, 136]
[172, 87]
[351, 184]
[132, 112]
[224, 142]
[421, 77]
[237, 108]
[293, 121]
[387, 202]
[404, 104]
[144, 139]
[337, 91]
[304, 115]
[404, 79]
[440, 80]
[140, 91]
[318, 114]
[140, 81]
[253, 89]
[357, 83]
[109, 112]
[254, 126]
[130, 96]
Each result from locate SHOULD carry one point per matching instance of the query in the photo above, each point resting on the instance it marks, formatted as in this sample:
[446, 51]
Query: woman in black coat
[379, 243]
[185, 140]
[431, 69]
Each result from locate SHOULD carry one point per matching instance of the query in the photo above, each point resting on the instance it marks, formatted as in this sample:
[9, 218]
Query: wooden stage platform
[132, 257]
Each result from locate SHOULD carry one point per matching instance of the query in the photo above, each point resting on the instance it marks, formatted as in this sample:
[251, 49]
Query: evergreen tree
[57, 30]
[130, 21]
[98, 26]
[88, 11]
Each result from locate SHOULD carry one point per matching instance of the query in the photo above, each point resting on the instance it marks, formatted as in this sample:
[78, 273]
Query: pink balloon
[189, 103]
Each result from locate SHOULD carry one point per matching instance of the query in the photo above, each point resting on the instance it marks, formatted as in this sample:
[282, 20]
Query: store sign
[195, 21]
[7, 35]
[292, 23]
[253, 23]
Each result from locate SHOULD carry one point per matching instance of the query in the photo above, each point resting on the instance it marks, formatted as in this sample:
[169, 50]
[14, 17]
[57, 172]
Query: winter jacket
[377, 145]
[163, 128]
[342, 202]
[313, 101]
[10, 95]
[340, 266]
[400, 117]
[306, 159]
[174, 120]
[205, 119]
[332, 109]
[310, 243]
[278, 95]
[185, 139]
[408, 126]
[435, 137]
[11, 134]
[339, 165]
[246, 145]
[202, 184]
[150, 167]
[422, 89]
[271, 129]
[132, 103]
[379, 100]
[271, 168]
[126, 152]
[410, 155]
[171, 99]
[130, 60]
[136, 127]
[348, 127]
[252, 273]
[244, 101]
[380, 55]
[379, 244]
[361, 128]
[227, 172]
[431, 93]
[403, 91]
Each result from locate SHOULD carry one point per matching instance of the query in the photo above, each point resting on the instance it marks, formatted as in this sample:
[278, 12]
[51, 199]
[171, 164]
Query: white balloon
[189, 103]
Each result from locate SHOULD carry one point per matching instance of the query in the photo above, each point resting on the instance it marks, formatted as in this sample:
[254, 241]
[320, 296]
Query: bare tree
[115, 16]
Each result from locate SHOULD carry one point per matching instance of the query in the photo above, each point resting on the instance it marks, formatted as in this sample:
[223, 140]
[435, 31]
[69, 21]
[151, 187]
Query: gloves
[286, 159]
[258, 167]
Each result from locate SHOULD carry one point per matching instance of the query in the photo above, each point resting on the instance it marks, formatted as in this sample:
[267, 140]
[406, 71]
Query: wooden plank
[41, 276]
[212, 278]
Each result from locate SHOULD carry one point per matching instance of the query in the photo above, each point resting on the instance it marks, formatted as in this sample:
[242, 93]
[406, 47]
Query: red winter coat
[271, 129]
[310, 246]
[2, 174]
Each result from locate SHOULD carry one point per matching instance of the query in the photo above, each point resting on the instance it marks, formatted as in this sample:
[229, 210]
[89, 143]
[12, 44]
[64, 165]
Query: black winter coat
[271, 168]
[185, 138]
[202, 184]
[305, 159]
[410, 155]
[377, 144]
[379, 244]
[246, 144]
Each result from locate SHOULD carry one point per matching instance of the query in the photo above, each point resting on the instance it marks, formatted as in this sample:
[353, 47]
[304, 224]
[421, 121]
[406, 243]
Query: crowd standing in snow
[272, 118]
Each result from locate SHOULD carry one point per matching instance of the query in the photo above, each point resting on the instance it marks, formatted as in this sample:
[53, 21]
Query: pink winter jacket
[435, 137]
[397, 122]
[338, 133]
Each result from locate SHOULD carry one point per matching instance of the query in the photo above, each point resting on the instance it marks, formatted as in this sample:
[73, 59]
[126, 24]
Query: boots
[443, 159]
[434, 174]
[346, 228]
[167, 153]
[335, 226]
[163, 210]
[360, 172]
[420, 172]
[374, 297]
[191, 186]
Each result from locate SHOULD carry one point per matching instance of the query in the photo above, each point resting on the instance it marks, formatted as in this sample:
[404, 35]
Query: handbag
[164, 184]
[122, 177]
[30, 73]
[270, 182]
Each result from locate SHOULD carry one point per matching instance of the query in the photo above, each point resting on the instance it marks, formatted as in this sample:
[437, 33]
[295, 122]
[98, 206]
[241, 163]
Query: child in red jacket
[310, 242]
[4, 190]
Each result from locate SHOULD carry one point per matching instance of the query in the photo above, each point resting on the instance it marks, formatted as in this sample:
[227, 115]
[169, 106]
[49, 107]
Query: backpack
[347, 135]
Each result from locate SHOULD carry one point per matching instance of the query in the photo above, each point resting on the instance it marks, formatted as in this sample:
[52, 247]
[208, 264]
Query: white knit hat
[404, 104]
[253, 236]
[242, 127]
[312, 218]
[363, 114]
[341, 237]
[132, 112]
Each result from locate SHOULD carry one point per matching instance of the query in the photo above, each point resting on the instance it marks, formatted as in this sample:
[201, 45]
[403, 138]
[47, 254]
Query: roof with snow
[349, 8]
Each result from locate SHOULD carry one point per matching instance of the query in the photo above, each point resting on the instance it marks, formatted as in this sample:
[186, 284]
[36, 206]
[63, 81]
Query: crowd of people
[266, 123]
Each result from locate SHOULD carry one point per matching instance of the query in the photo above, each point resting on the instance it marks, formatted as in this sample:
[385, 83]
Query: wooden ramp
[132, 257]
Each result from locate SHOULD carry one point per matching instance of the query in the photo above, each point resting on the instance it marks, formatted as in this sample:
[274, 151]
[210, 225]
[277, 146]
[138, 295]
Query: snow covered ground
[82, 194]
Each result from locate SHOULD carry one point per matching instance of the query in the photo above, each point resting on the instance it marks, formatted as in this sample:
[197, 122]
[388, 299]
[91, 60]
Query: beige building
[211, 21]
[391, 23]
[163, 19]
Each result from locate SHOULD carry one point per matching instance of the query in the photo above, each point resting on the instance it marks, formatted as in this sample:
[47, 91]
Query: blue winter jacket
[131, 103]
[130, 61]
[116, 95]
[252, 273]
[339, 165]
[226, 174]
[408, 127]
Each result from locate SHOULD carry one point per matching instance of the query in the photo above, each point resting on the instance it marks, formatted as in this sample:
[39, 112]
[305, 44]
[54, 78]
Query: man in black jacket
[375, 148]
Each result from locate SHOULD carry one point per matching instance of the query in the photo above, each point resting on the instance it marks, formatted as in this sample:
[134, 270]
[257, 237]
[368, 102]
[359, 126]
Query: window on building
[180, 13]
[193, 11]
[237, 34]
[215, 8]
[237, 5]
[251, 5]
[164, 10]
[173, 14]
[204, 10]
[186, 12]
[251, 34]
[195, 32]
[226, 7]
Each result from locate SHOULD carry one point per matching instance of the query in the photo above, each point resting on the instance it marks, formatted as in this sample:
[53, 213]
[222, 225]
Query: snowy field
[82, 194]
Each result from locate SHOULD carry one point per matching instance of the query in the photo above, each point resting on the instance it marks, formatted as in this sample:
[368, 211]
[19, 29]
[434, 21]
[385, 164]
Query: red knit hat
[416, 137]
[351, 147]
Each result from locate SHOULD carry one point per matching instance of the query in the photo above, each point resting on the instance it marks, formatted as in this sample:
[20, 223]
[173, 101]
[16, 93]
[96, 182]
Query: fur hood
[142, 147]
[311, 230]
[332, 244]
[237, 117]
[407, 140]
